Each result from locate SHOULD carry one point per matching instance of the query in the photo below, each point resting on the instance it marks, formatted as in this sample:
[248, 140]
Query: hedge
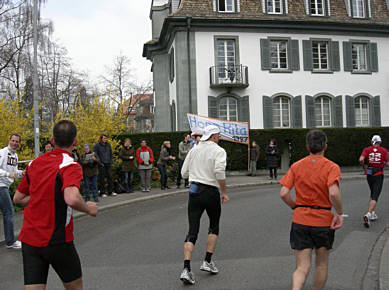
[344, 144]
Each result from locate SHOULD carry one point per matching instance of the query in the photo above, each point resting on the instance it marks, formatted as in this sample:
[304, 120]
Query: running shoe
[16, 245]
[187, 277]
[209, 267]
[114, 194]
[104, 195]
[366, 220]
[374, 216]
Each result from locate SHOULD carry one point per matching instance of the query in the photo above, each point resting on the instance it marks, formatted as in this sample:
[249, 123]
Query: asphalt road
[140, 246]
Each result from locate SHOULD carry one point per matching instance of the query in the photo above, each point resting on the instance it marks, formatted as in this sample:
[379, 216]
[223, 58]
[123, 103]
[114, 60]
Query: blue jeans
[162, 170]
[127, 182]
[7, 209]
[93, 181]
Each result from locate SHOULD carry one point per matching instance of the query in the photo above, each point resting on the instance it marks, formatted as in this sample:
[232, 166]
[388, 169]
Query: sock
[208, 257]
[187, 264]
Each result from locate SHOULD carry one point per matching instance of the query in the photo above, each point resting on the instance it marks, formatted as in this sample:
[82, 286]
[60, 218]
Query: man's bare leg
[321, 268]
[188, 250]
[211, 243]
[74, 285]
[303, 263]
[372, 205]
[35, 287]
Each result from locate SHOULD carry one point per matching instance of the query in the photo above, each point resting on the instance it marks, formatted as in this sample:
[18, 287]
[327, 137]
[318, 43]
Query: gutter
[188, 22]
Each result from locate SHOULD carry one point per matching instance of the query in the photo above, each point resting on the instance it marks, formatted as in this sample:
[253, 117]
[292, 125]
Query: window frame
[282, 3]
[324, 3]
[228, 117]
[287, 48]
[225, 37]
[330, 106]
[234, 6]
[328, 55]
[368, 109]
[365, 9]
[366, 53]
[281, 97]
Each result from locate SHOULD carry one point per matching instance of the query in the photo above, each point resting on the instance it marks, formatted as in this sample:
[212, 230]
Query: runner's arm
[335, 198]
[223, 189]
[286, 197]
[74, 200]
[21, 198]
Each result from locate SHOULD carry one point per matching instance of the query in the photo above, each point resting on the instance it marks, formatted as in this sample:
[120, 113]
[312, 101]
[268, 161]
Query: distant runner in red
[375, 157]
[51, 188]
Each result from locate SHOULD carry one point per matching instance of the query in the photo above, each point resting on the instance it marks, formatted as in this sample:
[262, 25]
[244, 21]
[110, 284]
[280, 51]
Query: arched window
[323, 112]
[281, 112]
[228, 109]
[362, 109]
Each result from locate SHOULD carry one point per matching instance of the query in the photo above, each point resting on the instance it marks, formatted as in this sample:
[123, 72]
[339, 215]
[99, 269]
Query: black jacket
[271, 156]
[104, 152]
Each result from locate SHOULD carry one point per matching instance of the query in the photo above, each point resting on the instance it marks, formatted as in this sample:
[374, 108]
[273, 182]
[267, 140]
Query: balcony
[231, 76]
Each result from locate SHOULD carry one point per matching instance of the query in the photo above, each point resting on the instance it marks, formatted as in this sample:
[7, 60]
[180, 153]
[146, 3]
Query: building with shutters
[273, 63]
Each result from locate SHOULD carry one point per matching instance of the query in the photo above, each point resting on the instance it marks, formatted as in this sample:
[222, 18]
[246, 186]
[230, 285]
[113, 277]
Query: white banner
[232, 131]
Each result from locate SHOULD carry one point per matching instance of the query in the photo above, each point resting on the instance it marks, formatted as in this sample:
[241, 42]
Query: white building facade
[272, 63]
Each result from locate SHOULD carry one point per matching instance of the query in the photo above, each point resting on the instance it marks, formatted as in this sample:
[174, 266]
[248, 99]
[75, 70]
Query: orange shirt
[311, 177]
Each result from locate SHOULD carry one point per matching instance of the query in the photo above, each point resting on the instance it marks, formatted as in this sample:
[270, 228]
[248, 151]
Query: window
[317, 7]
[320, 55]
[281, 112]
[362, 109]
[225, 57]
[228, 109]
[279, 54]
[322, 112]
[358, 8]
[274, 6]
[359, 57]
[226, 5]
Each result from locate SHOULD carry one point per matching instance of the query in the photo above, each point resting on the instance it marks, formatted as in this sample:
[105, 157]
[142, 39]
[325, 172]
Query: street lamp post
[35, 79]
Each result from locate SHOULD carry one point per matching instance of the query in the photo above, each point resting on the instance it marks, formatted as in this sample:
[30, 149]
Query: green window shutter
[297, 115]
[376, 117]
[307, 55]
[244, 109]
[212, 107]
[310, 111]
[347, 61]
[337, 112]
[373, 57]
[350, 111]
[267, 112]
[294, 54]
[335, 59]
[265, 54]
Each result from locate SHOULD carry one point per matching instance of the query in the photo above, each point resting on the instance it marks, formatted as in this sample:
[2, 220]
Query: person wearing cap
[373, 160]
[205, 167]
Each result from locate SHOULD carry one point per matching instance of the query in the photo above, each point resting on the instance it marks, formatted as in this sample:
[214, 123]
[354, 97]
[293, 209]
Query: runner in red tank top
[373, 159]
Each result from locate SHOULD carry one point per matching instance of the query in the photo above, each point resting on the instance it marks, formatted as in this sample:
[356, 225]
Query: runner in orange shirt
[316, 182]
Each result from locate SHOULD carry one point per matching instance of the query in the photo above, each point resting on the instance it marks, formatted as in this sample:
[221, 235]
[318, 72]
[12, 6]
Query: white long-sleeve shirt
[205, 163]
[8, 164]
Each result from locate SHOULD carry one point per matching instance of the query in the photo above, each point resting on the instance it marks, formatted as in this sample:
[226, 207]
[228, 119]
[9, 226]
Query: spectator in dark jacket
[271, 152]
[183, 149]
[127, 155]
[145, 159]
[164, 157]
[90, 166]
[254, 155]
[103, 151]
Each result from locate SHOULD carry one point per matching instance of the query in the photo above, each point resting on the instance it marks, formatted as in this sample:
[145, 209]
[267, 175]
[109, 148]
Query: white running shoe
[373, 216]
[187, 277]
[114, 194]
[104, 195]
[209, 267]
[16, 245]
[366, 220]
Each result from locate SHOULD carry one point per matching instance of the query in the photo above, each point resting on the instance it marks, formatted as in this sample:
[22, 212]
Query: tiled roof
[252, 9]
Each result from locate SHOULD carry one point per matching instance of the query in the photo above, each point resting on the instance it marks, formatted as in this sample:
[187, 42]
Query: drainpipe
[189, 19]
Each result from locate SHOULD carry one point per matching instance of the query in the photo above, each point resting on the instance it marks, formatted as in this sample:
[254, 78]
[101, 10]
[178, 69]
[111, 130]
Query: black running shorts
[307, 237]
[375, 184]
[63, 258]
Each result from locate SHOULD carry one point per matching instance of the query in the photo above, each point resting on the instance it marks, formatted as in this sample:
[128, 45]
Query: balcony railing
[229, 76]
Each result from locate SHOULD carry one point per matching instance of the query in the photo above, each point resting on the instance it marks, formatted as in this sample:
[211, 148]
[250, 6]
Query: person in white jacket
[8, 172]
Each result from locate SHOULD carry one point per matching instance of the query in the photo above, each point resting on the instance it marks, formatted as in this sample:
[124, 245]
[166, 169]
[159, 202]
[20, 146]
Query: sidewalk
[233, 181]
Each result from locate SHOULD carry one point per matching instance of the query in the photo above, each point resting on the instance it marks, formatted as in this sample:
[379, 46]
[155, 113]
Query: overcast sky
[95, 31]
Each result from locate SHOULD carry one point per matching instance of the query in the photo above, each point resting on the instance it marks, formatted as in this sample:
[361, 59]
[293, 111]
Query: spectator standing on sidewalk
[103, 151]
[164, 157]
[90, 166]
[51, 187]
[254, 155]
[205, 167]
[271, 153]
[183, 149]
[127, 155]
[376, 158]
[313, 224]
[145, 159]
[8, 172]
[48, 147]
